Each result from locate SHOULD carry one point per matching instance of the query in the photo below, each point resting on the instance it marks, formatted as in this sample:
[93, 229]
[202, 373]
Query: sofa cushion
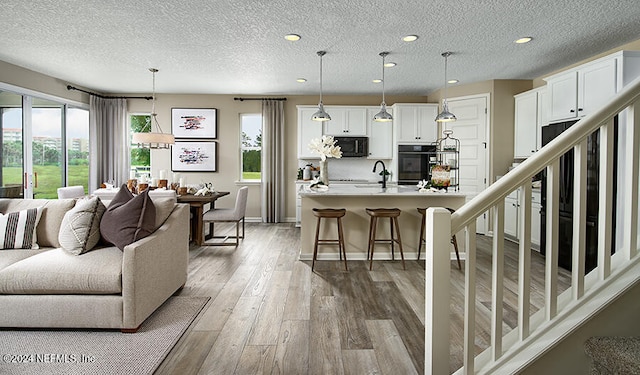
[18, 229]
[58, 272]
[128, 218]
[80, 229]
[12, 256]
[52, 214]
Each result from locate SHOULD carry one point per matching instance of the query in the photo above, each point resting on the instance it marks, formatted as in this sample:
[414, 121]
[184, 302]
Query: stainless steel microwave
[353, 147]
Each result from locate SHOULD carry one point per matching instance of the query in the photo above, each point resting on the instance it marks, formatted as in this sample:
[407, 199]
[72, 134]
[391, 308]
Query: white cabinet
[307, 130]
[415, 123]
[511, 214]
[536, 217]
[584, 89]
[512, 217]
[530, 115]
[380, 136]
[346, 121]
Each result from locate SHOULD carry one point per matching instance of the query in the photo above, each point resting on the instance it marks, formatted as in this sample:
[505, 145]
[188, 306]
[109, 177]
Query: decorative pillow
[18, 229]
[80, 229]
[128, 218]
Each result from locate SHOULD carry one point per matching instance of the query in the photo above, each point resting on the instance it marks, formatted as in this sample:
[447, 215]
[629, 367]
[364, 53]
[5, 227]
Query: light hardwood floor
[269, 314]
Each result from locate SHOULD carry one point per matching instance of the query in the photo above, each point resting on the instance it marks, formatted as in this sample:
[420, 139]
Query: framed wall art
[200, 123]
[194, 156]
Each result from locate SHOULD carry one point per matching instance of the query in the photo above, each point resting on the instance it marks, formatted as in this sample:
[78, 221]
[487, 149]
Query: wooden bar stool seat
[422, 240]
[329, 213]
[392, 214]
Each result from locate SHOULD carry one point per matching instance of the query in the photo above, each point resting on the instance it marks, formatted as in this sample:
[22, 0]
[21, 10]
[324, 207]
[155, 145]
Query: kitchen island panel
[356, 222]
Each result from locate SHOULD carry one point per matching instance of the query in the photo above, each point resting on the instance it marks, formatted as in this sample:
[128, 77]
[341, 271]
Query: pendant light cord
[321, 53]
[446, 57]
[384, 54]
[153, 99]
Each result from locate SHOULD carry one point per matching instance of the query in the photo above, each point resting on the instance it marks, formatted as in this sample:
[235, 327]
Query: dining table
[197, 202]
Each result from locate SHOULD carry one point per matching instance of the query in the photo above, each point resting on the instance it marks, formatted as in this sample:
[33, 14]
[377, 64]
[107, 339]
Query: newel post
[437, 269]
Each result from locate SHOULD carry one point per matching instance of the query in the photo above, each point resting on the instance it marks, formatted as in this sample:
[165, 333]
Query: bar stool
[392, 214]
[423, 212]
[329, 213]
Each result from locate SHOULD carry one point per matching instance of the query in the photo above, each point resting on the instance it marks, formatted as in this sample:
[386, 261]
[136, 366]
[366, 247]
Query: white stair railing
[507, 350]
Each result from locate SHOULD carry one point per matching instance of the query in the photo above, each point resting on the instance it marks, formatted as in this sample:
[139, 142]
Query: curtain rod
[69, 87]
[243, 99]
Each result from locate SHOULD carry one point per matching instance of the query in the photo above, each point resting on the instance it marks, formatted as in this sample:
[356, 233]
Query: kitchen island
[355, 198]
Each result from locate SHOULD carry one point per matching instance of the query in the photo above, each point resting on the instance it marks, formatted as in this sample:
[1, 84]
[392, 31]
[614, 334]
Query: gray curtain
[273, 173]
[109, 141]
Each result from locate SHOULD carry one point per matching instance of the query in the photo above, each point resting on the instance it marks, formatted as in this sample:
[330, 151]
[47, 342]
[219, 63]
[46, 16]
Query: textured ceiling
[237, 47]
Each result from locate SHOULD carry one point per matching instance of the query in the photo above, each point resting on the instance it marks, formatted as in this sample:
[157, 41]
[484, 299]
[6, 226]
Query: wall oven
[415, 162]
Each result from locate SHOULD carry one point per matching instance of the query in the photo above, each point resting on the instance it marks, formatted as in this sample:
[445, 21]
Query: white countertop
[368, 190]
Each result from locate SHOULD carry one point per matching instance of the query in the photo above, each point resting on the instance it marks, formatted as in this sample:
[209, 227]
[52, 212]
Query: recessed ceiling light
[301, 80]
[377, 80]
[452, 81]
[526, 39]
[292, 37]
[390, 64]
[410, 38]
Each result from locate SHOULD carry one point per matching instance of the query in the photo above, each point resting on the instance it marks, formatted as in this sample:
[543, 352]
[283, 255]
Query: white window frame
[242, 148]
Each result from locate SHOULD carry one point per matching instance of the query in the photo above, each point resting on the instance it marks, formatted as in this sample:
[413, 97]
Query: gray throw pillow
[128, 218]
[80, 228]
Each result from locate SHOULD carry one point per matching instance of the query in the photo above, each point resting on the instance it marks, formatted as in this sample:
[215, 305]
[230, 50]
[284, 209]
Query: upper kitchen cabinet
[530, 115]
[346, 121]
[380, 136]
[415, 123]
[584, 89]
[307, 130]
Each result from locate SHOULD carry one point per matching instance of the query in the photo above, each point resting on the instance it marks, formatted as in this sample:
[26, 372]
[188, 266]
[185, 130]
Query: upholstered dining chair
[227, 215]
[70, 192]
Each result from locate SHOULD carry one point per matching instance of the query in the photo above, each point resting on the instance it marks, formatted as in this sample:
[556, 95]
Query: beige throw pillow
[80, 228]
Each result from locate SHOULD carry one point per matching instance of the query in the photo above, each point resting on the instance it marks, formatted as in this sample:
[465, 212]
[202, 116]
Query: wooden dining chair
[227, 215]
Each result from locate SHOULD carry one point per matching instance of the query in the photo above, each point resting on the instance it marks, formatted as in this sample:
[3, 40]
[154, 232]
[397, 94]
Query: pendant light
[321, 115]
[383, 115]
[445, 115]
[154, 140]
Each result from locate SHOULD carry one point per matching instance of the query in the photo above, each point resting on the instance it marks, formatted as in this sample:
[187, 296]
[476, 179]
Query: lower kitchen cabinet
[512, 218]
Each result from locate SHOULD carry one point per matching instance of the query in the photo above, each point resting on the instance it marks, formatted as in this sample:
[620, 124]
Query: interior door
[471, 129]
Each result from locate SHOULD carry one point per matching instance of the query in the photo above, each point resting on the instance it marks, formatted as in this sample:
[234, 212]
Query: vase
[324, 172]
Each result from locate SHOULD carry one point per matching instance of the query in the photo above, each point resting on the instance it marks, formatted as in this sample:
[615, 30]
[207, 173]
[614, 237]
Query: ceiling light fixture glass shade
[445, 115]
[383, 115]
[321, 115]
[154, 140]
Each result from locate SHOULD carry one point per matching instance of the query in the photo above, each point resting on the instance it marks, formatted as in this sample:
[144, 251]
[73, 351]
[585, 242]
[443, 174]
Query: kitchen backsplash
[351, 168]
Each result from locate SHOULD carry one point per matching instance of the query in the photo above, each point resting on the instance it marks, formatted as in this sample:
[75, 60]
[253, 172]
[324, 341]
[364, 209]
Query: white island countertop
[369, 189]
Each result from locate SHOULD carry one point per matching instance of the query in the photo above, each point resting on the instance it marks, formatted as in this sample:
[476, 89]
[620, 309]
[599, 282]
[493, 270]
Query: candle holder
[142, 187]
[132, 185]
[162, 183]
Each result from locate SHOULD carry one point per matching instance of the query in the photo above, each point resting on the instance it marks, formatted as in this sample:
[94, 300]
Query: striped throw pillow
[18, 229]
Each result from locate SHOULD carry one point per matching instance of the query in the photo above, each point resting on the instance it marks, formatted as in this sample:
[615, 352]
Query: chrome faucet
[384, 173]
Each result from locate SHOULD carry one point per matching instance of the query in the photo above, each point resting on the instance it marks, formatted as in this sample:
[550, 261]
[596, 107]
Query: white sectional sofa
[103, 288]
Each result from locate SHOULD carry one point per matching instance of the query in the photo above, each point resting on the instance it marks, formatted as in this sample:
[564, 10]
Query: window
[251, 146]
[48, 150]
[140, 158]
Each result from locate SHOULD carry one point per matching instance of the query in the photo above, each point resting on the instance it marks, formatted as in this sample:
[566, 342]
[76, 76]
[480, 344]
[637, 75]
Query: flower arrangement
[325, 147]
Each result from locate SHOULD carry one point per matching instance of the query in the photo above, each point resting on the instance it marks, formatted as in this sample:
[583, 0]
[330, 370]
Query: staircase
[590, 294]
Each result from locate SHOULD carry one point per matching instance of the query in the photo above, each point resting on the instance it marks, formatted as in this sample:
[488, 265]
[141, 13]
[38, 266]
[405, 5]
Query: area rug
[99, 352]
